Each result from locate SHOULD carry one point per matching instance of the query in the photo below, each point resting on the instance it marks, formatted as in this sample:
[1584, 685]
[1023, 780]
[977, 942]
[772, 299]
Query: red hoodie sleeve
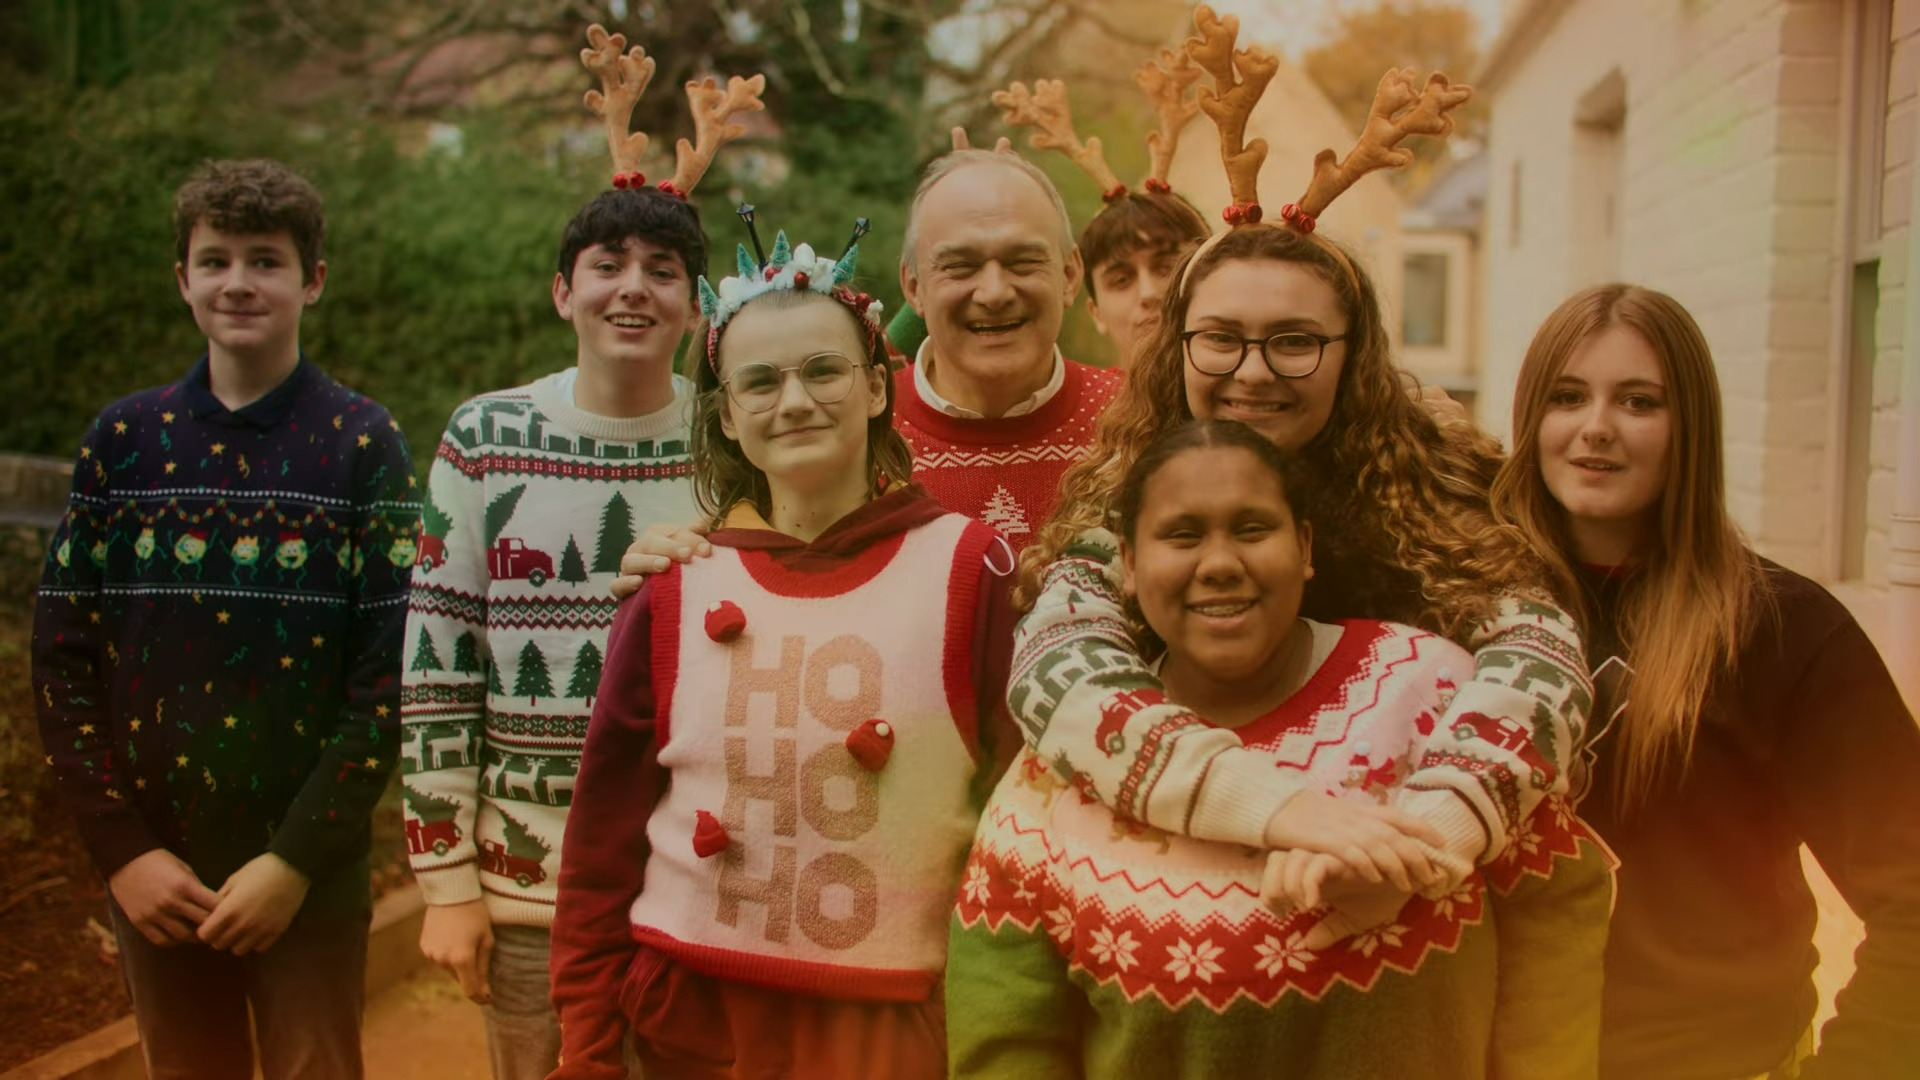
[604, 856]
[993, 625]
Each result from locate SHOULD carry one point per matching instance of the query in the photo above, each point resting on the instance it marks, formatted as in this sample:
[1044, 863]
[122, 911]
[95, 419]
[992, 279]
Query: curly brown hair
[253, 196]
[722, 475]
[1418, 543]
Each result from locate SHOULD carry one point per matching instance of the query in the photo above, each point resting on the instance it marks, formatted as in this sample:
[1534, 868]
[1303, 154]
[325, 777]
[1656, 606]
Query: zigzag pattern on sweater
[503, 464]
[965, 459]
[461, 693]
[536, 730]
[1180, 948]
[1298, 749]
[552, 612]
[1179, 941]
[430, 599]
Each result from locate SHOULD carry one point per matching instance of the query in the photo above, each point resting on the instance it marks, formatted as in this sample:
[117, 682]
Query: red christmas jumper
[756, 908]
[1005, 472]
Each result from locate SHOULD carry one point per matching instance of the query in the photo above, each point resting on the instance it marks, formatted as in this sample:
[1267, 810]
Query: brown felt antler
[1045, 110]
[1166, 81]
[1230, 103]
[624, 74]
[1399, 110]
[711, 107]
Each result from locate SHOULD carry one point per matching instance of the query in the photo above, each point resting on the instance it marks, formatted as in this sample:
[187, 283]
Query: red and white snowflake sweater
[784, 769]
[1005, 472]
[1086, 944]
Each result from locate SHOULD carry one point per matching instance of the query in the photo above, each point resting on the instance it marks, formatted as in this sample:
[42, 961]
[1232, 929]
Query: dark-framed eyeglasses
[827, 377]
[1291, 354]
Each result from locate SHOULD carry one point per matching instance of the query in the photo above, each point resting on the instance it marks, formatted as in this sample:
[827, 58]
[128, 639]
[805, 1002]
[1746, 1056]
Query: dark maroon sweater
[1710, 956]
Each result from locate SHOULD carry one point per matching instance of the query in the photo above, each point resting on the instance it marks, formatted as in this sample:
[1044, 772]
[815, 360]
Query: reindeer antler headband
[624, 74]
[1240, 76]
[1165, 79]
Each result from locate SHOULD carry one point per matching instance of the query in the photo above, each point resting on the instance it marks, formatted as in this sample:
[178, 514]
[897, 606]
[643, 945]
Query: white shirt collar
[923, 382]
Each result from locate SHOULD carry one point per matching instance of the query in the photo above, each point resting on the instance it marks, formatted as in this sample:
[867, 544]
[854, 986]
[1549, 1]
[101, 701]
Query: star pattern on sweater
[1189, 960]
[1115, 949]
[976, 886]
[1276, 955]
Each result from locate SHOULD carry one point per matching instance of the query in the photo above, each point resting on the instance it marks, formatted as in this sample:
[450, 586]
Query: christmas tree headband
[624, 74]
[790, 269]
[1045, 109]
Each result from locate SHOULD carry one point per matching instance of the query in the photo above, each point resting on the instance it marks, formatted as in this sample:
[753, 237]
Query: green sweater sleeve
[1551, 895]
[1012, 1011]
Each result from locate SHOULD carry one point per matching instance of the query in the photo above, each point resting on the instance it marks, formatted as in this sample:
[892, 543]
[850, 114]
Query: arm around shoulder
[1084, 697]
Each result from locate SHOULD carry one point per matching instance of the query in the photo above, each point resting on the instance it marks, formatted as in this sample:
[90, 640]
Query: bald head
[955, 167]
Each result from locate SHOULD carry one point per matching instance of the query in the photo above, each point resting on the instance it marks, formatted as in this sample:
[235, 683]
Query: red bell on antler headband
[624, 74]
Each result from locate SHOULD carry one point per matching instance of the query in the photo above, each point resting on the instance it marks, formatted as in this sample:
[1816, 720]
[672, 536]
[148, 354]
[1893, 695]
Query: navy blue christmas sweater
[216, 653]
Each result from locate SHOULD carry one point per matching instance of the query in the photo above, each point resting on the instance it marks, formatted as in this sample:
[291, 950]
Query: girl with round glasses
[793, 736]
[1281, 330]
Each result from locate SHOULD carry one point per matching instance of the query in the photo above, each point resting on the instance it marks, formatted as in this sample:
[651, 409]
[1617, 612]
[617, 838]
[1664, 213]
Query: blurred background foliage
[451, 146]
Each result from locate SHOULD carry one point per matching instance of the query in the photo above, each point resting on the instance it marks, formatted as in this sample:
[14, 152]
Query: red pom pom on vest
[725, 621]
[871, 744]
[709, 836]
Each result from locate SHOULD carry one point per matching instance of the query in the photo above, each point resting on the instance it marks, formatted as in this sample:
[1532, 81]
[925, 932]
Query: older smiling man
[994, 414]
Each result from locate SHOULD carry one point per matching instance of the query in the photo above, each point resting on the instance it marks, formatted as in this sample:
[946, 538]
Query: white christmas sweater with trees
[530, 504]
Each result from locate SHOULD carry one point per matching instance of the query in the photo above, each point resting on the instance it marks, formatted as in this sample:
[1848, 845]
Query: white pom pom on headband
[791, 269]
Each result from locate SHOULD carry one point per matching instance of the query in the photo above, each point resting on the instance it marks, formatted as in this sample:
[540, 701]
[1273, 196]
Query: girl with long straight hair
[1740, 713]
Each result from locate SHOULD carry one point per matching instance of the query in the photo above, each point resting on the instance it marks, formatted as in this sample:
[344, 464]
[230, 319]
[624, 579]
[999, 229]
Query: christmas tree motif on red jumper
[585, 681]
[616, 535]
[466, 654]
[531, 679]
[519, 858]
[425, 656]
[1003, 513]
[573, 567]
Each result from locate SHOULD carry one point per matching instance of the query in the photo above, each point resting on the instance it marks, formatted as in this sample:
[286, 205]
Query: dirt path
[423, 1029]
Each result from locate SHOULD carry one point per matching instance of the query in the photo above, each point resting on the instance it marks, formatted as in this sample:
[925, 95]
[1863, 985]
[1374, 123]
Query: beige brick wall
[1728, 195]
[1896, 205]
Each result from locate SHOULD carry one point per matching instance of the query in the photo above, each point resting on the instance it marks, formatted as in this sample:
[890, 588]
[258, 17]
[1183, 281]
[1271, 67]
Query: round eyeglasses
[1292, 354]
[827, 378]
